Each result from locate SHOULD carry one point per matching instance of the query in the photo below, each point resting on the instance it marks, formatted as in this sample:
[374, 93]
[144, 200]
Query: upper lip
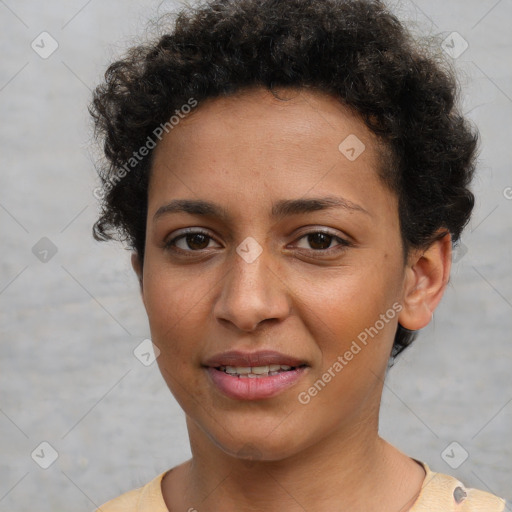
[246, 359]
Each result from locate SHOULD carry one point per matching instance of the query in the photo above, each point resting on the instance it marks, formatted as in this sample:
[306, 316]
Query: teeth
[255, 371]
[241, 370]
[259, 370]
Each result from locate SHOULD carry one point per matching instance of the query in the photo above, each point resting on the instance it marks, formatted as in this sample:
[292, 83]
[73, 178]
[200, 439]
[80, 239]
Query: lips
[252, 359]
[254, 375]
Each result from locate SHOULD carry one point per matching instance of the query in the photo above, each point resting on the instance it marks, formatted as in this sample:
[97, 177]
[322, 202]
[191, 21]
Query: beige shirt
[439, 493]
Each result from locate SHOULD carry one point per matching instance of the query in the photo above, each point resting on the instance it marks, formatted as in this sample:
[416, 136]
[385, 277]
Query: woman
[291, 177]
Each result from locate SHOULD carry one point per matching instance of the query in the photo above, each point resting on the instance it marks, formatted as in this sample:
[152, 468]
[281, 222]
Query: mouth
[254, 376]
[261, 359]
[257, 372]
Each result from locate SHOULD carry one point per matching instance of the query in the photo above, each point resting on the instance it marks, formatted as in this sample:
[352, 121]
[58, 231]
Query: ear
[137, 267]
[426, 276]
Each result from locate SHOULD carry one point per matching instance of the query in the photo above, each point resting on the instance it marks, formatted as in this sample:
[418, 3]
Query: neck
[359, 471]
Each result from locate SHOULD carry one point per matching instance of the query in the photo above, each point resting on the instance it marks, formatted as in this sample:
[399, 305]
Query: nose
[252, 293]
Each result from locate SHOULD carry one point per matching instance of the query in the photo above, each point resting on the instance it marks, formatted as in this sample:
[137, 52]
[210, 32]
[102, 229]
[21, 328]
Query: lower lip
[257, 388]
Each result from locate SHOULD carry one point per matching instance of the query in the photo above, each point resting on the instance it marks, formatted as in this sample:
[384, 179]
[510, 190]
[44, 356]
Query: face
[294, 267]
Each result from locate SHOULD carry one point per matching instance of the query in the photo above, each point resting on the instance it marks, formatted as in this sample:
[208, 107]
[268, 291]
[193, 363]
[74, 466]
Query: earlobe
[426, 277]
[137, 267]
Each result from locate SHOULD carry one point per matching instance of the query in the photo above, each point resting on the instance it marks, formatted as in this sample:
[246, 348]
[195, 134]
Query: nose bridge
[251, 268]
[251, 291]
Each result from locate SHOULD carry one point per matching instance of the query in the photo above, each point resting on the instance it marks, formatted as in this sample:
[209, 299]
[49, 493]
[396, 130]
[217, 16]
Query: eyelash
[171, 244]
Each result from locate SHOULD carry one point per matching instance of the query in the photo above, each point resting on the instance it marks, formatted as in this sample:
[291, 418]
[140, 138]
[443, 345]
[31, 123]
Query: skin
[304, 297]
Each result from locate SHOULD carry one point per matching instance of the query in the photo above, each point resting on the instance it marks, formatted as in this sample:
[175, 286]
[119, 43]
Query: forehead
[279, 119]
[282, 145]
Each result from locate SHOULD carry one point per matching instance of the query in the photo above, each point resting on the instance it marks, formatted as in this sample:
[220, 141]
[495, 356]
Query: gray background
[68, 375]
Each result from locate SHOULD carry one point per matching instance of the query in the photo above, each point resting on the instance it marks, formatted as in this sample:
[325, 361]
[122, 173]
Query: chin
[254, 446]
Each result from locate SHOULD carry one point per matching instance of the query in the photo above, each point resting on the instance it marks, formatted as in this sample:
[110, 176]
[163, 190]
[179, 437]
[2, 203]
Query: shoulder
[147, 498]
[445, 493]
[127, 502]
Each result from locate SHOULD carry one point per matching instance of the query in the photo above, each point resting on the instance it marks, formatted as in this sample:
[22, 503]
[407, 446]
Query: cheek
[347, 304]
[175, 309]
[175, 312]
[353, 346]
[353, 326]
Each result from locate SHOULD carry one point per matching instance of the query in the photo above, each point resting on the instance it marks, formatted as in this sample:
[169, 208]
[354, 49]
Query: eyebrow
[280, 209]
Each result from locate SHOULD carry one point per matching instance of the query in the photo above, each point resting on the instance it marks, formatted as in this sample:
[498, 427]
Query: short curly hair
[356, 50]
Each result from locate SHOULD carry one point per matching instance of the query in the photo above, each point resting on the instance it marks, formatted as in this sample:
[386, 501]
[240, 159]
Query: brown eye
[192, 241]
[320, 241]
[197, 241]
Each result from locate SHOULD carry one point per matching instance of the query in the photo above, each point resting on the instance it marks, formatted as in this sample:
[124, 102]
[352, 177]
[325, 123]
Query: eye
[192, 241]
[189, 241]
[319, 241]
